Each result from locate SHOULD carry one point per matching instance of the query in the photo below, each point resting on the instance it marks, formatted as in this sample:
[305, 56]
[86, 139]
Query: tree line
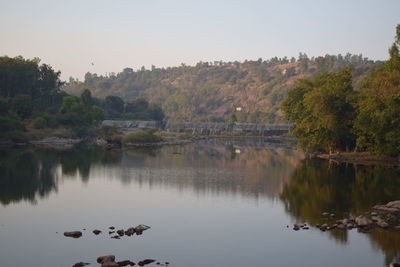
[31, 98]
[331, 115]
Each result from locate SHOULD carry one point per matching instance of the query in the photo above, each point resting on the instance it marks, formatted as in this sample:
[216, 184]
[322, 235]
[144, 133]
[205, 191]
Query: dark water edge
[302, 188]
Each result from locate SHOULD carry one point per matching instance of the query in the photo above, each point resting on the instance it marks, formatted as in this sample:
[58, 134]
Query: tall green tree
[378, 121]
[114, 106]
[322, 111]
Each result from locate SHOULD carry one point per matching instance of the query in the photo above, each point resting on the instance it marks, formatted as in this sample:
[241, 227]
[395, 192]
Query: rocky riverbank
[385, 216]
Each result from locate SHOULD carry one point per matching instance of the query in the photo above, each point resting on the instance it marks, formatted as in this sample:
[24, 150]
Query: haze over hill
[213, 91]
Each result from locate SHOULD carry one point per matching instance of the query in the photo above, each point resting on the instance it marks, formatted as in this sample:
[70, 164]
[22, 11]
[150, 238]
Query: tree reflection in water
[28, 174]
[306, 187]
[319, 186]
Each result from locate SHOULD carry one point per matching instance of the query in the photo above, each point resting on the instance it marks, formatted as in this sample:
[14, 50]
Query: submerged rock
[73, 234]
[145, 262]
[110, 264]
[126, 263]
[80, 264]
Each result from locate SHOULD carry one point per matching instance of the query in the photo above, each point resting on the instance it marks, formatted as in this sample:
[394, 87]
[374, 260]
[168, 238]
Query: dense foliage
[329, 115]
[30, 98]
[211, 91]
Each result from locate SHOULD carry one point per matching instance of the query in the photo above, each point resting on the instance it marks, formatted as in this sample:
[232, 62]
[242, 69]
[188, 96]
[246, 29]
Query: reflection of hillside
[32, 174]
[316, 187]
[212, 168]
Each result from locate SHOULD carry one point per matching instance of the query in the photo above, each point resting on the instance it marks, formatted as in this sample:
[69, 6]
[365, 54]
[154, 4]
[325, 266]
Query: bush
[141, 137]
[9, 124]
[39, 123]
[110, 134]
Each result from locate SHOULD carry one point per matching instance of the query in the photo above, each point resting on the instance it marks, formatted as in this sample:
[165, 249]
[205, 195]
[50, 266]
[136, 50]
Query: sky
[115, 34]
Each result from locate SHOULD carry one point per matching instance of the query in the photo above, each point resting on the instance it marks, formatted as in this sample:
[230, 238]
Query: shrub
[9, 124]
[39, 123]
[146, 136]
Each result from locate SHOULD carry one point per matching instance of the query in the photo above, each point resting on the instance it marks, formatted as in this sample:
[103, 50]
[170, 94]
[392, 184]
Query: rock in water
[73, 234]
[126, 263]
[110, 264]
[382, 224]
[120, 232]
[140, 228]
[104, 259]
[96, 232]
[80, 264]
[363, 222]
[145, 262]
[130, 231]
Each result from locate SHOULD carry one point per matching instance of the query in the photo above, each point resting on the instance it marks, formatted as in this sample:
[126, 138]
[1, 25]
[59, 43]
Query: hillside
[213, 91]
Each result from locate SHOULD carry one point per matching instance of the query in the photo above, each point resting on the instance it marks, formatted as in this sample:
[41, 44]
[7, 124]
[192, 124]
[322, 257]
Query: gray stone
[73, 234]
[107, 258]
[363, 222]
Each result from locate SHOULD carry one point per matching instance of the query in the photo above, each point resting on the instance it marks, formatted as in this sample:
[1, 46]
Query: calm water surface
[208, 204]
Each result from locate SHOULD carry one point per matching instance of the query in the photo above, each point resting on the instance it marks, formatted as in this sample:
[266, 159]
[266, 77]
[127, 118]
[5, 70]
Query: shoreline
[67, 142]
[361, 158]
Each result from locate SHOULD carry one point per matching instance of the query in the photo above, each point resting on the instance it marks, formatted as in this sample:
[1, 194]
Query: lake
[211, 203]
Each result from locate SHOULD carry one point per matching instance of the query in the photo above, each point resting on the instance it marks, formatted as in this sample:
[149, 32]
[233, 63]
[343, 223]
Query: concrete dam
[203, 128]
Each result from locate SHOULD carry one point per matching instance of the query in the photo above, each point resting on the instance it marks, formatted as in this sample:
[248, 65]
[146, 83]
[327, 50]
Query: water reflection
[306, 187]
[209, 167]
[318, 186]
[29, 174]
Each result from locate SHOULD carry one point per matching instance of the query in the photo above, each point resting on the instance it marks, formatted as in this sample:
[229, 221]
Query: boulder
[80, 264]
[120, 232]
[394, 204]
[363, 222]
[382, 224]
[386, 209]
[107, 258]
[73, 234]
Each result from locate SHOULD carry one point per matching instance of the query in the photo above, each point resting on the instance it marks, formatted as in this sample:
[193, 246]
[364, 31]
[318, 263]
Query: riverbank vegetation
[33, 106]
[331, 115]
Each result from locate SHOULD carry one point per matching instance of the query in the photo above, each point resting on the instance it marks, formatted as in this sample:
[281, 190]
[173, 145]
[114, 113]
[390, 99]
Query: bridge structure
[203, 128]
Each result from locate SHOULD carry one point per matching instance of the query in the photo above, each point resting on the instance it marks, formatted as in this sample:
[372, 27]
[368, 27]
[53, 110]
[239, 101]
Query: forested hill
[214, 91]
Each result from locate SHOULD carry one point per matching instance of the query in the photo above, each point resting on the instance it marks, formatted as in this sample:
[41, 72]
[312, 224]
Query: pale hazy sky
[115, 34]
